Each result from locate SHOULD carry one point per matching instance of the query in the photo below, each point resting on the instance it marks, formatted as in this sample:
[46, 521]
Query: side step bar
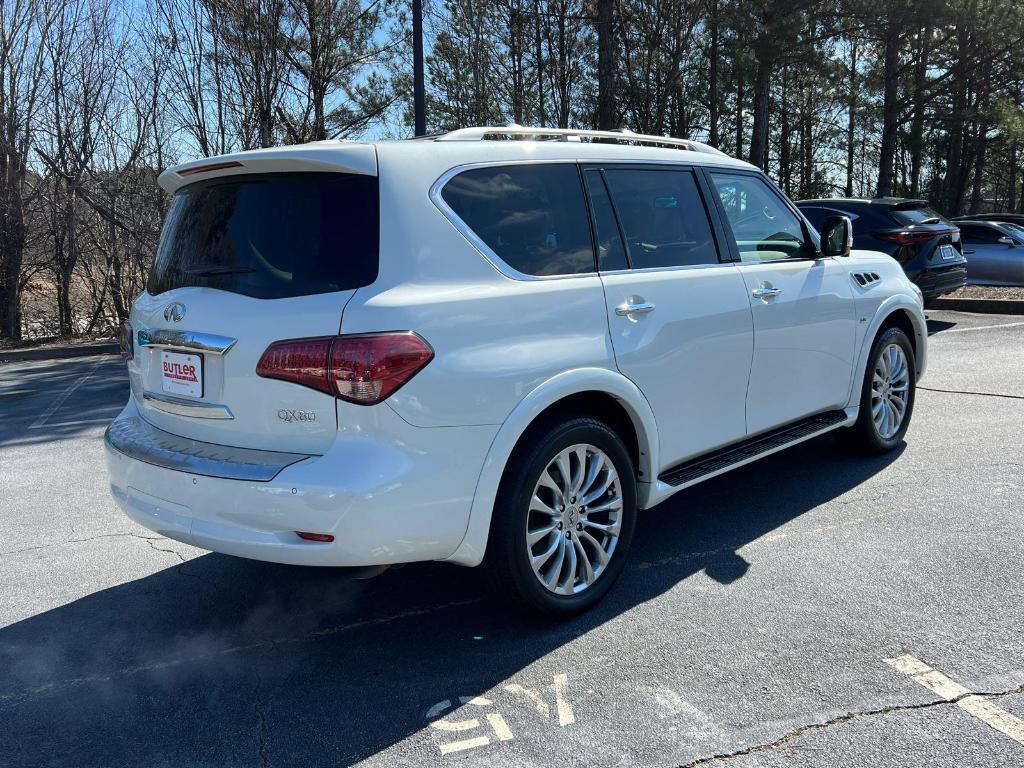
[750, 448]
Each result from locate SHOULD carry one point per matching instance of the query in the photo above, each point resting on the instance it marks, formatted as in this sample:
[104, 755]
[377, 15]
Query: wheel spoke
[532, 537]
[564, 470]
[538, 561]
[602, 556]
[587, 569]
[593, 470]
[602, 487]
[610, 505]
[567, 587]
[611, 529]
[537, 505]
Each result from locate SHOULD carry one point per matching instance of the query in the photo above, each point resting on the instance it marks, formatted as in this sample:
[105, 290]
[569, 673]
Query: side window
[532, 216]
[611, 253]
[764, 228]
[663, 218]
[978, 235]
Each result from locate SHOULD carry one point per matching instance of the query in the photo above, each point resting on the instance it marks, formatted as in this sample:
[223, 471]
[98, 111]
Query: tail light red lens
[126, 341]
[361, 368]
[910, 238]
[301, 361]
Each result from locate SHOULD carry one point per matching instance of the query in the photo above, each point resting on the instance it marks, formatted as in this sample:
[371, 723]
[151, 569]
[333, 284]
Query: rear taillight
[911, 238]
[362, 368]
[126, 341]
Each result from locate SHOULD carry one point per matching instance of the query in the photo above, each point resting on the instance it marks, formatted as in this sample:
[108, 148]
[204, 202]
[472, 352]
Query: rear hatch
[247, 259]
[919, 230]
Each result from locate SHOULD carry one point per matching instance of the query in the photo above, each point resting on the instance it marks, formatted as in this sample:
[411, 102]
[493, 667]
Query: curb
[59, 353]
[985, 306]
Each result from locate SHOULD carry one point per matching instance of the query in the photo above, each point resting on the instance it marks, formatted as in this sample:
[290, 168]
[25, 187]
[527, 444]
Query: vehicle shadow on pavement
[223, 661]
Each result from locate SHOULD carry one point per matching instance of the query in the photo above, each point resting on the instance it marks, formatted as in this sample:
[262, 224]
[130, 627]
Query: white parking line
[59, 401]
[983, 709]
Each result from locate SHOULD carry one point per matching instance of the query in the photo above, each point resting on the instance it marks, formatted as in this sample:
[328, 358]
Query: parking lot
[814, 608]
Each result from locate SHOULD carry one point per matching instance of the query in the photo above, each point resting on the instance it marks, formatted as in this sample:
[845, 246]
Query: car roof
[887, 202]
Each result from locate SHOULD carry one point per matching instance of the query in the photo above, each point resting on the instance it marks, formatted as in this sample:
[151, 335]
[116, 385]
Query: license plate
[948, 252]
[182, 374]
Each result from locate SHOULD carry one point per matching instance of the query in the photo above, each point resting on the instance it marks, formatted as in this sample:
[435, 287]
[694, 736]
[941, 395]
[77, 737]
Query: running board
[751, 448]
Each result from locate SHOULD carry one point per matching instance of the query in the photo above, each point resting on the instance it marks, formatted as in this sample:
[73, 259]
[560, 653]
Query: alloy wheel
[890, 386]
[574, 519]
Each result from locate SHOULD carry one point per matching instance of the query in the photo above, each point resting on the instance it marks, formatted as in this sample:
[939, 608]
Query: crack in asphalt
[174, 552]
[81, 541]
[965, 392]
[261, 731]
[844, 718]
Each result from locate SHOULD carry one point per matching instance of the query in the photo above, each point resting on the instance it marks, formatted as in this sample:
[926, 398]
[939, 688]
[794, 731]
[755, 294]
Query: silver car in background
[994, 251]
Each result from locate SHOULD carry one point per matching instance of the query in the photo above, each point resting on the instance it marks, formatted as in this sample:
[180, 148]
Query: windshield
[272, 236]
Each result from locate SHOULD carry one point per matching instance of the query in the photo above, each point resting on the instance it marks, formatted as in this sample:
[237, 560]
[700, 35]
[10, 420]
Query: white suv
[493, 345]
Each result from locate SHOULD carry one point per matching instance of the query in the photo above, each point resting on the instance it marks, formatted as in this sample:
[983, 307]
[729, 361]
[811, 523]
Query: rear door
[802, 305]
[246, 260]
[679, 318]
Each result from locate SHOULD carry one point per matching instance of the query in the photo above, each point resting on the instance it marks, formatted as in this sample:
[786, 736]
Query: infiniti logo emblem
[174, 312]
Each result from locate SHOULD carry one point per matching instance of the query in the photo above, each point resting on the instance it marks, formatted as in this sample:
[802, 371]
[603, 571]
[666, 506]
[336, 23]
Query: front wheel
[887, 396]
[564, 518]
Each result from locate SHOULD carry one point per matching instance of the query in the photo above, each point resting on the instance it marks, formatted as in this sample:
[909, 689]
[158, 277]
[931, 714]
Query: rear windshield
[912, 216]
[272, 236]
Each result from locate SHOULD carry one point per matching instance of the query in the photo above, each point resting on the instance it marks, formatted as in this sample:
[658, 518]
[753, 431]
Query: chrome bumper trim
[138, 439]
[182, 407]
[193, 340]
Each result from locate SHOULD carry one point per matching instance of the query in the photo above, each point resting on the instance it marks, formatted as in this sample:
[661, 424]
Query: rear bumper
[400, 495]
[946, 279]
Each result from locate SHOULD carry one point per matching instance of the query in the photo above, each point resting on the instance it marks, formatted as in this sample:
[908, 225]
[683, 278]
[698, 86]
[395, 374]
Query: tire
[872, 433]
[560, 587]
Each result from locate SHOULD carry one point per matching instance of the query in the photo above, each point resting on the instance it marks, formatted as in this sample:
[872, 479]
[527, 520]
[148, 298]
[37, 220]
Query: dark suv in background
[926, 244]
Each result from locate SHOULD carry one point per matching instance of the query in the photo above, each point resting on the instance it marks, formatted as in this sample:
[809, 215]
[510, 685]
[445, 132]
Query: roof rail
[624, 135]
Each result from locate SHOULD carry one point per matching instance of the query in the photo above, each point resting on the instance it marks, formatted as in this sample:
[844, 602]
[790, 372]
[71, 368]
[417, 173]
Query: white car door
[802, 305]
[679, 317]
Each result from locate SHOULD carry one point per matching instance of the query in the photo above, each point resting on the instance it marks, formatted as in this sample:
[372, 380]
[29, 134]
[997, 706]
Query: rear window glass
[912, 216]
[533, 217]
[271, 237]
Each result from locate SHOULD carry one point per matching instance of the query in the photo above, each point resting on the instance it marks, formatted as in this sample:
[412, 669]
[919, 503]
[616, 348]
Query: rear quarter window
[271, 236]
[533, 217]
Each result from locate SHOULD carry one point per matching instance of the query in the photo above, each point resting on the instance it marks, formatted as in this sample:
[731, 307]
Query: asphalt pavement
[814, 608]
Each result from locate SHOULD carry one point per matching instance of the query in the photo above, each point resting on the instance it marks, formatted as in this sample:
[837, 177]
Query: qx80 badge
[289, 416]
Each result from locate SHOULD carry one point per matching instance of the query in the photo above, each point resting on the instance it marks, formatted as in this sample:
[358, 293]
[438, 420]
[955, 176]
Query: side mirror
[836, 236]
[1007, 241]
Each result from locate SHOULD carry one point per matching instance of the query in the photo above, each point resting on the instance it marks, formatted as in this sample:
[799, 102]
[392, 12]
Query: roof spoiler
[909, 205]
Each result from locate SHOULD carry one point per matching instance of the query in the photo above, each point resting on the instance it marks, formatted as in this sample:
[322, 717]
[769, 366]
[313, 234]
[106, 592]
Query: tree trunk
[851, 118]
[917, 120]
[762, 80]
[605, 65]
[890, 111]
[713, 78]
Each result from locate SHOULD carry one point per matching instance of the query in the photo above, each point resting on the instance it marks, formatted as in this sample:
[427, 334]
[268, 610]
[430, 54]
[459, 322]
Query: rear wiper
[210, 270]
[932, 220]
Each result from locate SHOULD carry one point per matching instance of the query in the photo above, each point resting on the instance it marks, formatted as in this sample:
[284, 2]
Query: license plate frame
[182, 374]
[947, 252]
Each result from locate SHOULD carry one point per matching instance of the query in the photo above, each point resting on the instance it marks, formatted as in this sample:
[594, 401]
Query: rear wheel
[564, 518]
[887, 396]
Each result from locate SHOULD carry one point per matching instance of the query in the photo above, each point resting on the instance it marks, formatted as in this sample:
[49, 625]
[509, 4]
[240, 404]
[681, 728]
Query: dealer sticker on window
[182, 374]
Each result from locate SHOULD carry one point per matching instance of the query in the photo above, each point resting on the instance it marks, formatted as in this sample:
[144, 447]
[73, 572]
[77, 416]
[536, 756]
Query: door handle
[641, 308]
[765, 293]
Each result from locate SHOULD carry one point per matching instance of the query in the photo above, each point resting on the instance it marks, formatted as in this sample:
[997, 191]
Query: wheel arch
[895, 312]
[595, 392]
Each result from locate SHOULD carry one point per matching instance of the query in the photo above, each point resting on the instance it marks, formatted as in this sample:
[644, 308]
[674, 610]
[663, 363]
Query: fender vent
[865, 278]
